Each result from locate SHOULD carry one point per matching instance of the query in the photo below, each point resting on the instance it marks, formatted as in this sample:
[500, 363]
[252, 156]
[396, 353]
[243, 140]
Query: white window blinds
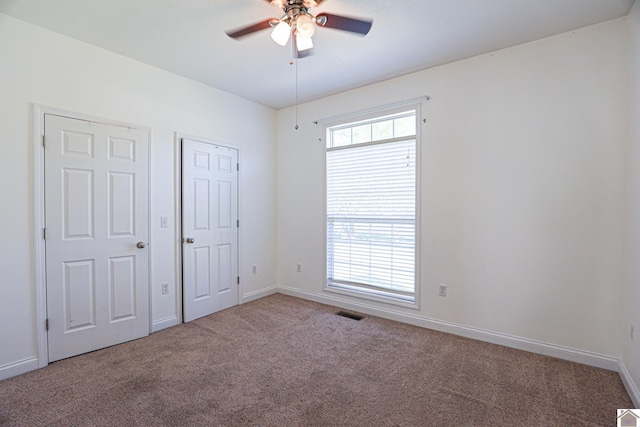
[371, 206]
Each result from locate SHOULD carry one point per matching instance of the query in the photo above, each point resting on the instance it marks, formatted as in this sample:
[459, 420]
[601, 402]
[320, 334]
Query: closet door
[209, 228]
[97, 260]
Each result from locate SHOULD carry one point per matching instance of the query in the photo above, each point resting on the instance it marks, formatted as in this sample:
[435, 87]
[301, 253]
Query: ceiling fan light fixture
[277, 3]
[281, 33]
[303, 43]
[305, 26]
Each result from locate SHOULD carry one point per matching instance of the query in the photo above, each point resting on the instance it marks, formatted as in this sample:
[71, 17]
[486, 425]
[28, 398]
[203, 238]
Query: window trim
[344, 288]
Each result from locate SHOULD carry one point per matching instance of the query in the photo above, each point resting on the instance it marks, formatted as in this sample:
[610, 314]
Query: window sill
[371, 295]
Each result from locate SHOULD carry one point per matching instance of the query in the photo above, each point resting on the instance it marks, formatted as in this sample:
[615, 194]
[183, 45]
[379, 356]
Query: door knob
[190, 240]
[141, 245]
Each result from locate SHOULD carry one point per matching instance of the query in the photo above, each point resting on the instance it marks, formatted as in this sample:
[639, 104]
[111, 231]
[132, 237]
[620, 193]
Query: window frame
[362, 291]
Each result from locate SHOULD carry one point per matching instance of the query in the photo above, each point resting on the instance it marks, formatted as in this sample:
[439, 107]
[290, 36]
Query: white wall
[522, 189]
[39, 66]
[631, 296]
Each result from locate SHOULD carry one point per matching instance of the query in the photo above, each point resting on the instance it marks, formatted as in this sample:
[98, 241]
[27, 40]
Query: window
[371, 207]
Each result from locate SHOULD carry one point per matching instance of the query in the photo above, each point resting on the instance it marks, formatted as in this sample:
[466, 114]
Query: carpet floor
[283, 361]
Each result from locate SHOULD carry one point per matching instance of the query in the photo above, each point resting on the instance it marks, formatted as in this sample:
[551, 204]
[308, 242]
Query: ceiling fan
[299, 24]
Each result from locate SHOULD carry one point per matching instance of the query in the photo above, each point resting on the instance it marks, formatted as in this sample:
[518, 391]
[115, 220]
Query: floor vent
[350, 315]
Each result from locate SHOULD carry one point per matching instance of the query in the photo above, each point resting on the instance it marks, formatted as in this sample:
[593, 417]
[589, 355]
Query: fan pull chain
[291, 62]
[296, 127]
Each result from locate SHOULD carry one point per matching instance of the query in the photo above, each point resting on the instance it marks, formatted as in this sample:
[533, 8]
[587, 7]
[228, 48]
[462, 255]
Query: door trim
[38, 113]
[178, 136]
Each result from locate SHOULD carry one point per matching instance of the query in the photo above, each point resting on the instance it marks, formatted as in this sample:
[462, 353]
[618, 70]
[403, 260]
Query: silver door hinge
[44, 233]
[238, 280]
[238, 223]
[44, 141]
[237, 166]
[46, 324]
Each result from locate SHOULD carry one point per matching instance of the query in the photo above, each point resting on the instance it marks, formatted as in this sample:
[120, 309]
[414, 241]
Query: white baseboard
[533, 346]
[566, 353]
[19, 367]
[261, 293]
[538, 347]
[165, 323]
[630, 385]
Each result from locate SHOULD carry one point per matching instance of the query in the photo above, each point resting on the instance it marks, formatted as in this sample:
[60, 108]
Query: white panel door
[209, 228]
[97, 263]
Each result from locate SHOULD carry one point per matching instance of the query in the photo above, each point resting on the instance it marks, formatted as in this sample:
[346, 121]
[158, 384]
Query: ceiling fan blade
[344, 23]
[234, 34]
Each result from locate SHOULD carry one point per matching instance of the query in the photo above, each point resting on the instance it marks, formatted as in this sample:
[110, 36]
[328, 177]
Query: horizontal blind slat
[376, 183]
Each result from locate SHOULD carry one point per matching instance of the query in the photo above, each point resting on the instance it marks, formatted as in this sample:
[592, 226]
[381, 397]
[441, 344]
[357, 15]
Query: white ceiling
[188, 37]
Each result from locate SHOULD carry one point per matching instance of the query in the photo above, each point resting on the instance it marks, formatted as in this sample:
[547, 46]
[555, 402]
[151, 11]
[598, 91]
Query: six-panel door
[210, 229]
[97, 262]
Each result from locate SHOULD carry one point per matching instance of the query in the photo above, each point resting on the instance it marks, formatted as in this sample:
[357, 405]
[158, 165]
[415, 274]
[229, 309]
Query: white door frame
[178, 136]
[39, 258]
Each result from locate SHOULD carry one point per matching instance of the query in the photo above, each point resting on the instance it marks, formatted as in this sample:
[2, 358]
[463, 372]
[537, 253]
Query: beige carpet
[282, 361]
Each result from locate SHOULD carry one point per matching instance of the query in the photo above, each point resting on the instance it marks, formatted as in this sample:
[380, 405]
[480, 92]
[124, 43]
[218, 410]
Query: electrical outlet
[164, 222]
[165, 288]
[442, 290]
[632, 330]
[299, 268]
[254, 269]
